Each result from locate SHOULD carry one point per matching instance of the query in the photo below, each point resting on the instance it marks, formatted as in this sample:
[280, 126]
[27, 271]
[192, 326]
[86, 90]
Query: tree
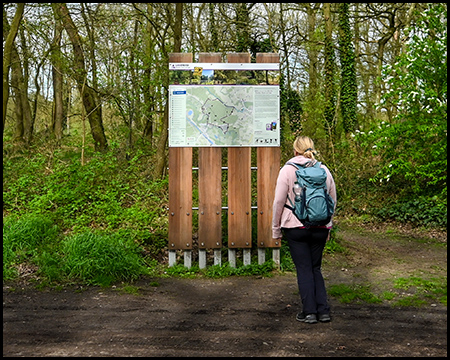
[284, 46]
[329, 91]
[213, 28]
[242, 27]
[148, 59]
[348, 97]
[413, 146]
[7, 53]
[24, 119]
[310, 42]
[92, 105]
[58, 80]
[162, 143]
[388, 15]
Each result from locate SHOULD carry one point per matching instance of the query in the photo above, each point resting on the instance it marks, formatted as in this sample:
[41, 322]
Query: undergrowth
[105, 221]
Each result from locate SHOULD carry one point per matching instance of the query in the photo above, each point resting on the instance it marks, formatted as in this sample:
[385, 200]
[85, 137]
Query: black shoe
[324, 318]
[309, 319]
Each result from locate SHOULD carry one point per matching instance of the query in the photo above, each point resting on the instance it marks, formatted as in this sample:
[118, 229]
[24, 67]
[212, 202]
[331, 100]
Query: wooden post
[180, 191]
[268, 163]
[209, 189]
[239, 189]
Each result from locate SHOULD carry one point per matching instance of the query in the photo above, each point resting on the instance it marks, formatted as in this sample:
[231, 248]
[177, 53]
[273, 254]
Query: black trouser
[306, 247]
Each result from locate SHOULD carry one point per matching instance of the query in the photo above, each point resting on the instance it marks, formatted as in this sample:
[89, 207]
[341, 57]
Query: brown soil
[239, 316]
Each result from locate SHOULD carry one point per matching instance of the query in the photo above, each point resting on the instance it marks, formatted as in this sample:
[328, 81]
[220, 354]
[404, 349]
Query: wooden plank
[239, 198]
[268, 163]
[271, 58]
[243, 57]
[210, 186]
[180, 57]
[180, 198]
[209, 57]
[210, 198]
[180, 187]
[239, 185]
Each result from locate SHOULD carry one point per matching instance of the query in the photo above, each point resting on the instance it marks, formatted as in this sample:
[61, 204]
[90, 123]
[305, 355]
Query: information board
[224, 115]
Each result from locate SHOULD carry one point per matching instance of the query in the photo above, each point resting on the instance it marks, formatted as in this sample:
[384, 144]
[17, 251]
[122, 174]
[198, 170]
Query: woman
[306, 244]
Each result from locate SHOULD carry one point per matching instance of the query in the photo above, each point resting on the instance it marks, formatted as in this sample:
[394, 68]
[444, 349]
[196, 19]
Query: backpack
[313, 206]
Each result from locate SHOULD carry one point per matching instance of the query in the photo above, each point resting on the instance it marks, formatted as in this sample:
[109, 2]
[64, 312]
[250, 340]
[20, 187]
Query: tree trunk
[380, 54]
[348, 96]
[213, 28]
[312, 53]
[7, 50]
[329, 91]
[58, 107]
[149, 96]
[24, 120]
[177, 31]
[88, 95]
[16, 78]
[162, 142]
[242, 28]
[285, 48]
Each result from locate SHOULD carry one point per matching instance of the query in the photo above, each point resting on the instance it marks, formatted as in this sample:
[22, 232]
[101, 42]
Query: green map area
[219, 115]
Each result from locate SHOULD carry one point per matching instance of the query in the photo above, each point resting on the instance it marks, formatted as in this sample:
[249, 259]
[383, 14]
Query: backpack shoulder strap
[297, 166]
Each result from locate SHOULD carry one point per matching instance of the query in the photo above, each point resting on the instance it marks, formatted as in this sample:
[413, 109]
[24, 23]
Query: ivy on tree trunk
[348, 81]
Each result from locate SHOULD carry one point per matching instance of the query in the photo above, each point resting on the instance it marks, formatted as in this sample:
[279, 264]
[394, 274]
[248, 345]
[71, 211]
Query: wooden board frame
[210, 185]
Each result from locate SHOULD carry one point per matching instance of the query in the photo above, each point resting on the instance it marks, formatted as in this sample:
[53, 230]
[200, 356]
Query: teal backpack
[313, 206]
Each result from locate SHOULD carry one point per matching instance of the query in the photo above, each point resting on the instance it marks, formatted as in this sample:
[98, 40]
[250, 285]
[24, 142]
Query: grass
[221, 271]
[129, 289]
[26, 239]
[334, 244]
[103, 258]
[92, 258]
[433, 289]
[356, 293]
[415, 291]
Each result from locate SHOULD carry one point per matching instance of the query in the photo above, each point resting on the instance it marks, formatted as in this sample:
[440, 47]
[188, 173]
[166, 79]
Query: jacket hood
[300, 159]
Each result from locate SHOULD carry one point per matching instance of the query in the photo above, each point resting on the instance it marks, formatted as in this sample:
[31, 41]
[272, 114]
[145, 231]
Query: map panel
[224, 115]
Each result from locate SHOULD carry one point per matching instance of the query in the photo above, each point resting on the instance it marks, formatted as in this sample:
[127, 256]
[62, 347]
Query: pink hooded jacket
[282, 216]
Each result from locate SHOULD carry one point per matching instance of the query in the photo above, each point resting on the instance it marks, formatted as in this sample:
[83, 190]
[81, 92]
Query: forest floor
[240, 316]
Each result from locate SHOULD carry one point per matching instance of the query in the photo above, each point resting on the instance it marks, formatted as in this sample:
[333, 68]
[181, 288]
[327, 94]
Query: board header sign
[225, 66]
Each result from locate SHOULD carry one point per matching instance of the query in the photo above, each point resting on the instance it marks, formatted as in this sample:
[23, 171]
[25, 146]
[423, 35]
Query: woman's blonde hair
[304, 145]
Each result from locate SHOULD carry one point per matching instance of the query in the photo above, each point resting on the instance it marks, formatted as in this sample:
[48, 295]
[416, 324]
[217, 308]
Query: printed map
[219, 115]
[223, 116]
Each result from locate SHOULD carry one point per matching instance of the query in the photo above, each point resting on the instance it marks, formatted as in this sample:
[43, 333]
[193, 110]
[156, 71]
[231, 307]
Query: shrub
[419, 211]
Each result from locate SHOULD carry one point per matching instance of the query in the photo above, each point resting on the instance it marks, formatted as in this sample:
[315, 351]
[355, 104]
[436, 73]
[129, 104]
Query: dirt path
[236, 316]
